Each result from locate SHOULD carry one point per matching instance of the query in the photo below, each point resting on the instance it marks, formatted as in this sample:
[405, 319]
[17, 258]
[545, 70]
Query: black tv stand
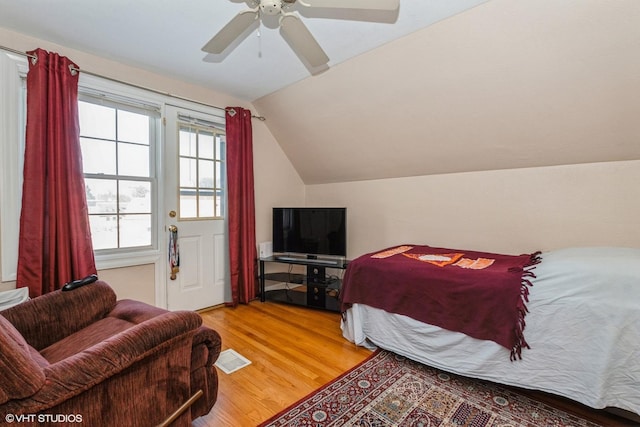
[311, 290]
[289, 259]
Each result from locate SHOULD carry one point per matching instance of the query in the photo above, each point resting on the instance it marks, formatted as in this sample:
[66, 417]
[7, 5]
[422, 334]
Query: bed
[580, 328]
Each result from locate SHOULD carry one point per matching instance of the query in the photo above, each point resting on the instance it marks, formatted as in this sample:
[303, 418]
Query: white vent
[230, 361]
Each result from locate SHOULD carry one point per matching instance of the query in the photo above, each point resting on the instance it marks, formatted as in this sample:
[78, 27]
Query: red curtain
[55, 239]
[241, 206]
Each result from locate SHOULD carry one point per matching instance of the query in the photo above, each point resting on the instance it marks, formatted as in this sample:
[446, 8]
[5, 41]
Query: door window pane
[220, 149]
[188, 203]
[188, 172]
[206, 207]
[187, 142]
[206, 173]
[205, 145]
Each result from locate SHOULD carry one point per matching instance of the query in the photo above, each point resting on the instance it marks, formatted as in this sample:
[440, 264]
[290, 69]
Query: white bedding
[583, 327]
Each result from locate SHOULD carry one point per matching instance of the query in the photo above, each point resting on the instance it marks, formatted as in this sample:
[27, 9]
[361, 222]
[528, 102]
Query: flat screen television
[310, 231]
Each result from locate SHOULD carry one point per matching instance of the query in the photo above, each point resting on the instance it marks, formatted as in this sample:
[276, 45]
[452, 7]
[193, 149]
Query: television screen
[310, 231]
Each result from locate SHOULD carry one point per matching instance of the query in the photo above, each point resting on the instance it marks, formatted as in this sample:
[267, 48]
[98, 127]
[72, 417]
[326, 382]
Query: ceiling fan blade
[353, 4]
[231, 31]
[301, 40]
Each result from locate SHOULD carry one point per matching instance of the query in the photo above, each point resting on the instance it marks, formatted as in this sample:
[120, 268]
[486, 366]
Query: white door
[194, 195]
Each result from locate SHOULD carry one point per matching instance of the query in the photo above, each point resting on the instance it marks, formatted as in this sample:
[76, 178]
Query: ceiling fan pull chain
[259, 34]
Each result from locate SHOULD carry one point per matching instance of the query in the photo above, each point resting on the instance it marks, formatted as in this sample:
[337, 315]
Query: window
[201, 167]
[118, 143]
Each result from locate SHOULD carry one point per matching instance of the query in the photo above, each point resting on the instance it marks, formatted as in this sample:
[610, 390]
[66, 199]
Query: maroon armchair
[85, 356]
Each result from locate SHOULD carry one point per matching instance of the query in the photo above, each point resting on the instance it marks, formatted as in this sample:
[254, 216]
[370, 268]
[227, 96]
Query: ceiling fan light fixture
[271, 7]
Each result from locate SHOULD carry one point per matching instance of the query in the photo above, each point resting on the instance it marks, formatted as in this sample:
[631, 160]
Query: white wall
[276, 181]
[506, 211]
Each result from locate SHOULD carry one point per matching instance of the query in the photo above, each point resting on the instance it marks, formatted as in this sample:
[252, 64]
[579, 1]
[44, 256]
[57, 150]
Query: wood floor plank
[294, 351]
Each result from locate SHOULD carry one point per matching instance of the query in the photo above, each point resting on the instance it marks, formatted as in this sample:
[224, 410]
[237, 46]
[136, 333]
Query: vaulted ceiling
[508, 84]
[439, 87]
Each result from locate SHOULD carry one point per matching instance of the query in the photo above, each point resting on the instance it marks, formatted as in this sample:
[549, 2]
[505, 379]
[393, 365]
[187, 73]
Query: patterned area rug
[390, 390]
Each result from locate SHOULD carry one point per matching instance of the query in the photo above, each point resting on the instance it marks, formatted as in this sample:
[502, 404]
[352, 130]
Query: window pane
[219, 171]
[133, 160]
[219, 203]
[188, 173]
[101, 195]
[133, 127]
[206, 207]
[97, 121]
[98, 156]
[104, 231]
[205, 145]
[187, 142]
[188, 203]
[220, 141]
[135, 197]
[135, 230]
[206, 174]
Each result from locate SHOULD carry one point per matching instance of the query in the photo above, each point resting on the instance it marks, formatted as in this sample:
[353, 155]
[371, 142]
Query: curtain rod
[18, 52]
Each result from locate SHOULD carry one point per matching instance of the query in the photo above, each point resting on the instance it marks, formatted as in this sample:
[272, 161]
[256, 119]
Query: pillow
[21, 375]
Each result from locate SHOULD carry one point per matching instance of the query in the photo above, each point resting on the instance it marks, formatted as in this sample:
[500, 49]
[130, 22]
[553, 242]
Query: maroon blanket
[482, 295]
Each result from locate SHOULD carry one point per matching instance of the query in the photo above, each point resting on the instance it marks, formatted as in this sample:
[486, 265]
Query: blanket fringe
[525, 284]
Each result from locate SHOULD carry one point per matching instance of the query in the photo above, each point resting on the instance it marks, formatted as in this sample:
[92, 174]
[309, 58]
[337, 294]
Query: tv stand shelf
[308, 290]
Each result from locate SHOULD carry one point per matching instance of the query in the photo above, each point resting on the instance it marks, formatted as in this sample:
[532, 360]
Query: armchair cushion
[22, 376]
[51, 317]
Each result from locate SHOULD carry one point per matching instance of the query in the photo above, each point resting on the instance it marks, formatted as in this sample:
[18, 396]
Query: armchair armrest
[53, 316]
[70, 377]
[204, 376]
[211, 339]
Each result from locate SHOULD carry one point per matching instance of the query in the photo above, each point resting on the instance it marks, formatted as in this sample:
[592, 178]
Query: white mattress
[583, 327]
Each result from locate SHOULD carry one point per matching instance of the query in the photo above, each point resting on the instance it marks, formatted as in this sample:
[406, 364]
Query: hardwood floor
[294, 351]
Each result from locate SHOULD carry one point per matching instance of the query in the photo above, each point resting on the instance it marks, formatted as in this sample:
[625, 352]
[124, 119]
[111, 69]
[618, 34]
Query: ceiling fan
[291, 26]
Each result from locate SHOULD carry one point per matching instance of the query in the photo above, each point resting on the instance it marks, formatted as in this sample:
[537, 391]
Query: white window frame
[133, 254]
[93, 86]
